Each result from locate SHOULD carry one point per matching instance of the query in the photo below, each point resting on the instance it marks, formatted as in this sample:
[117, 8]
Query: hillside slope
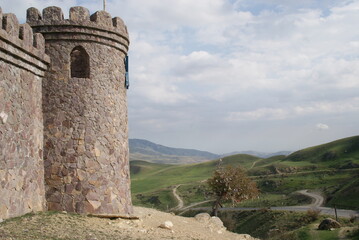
[155, 176]
[346, 150]
[277, 177]
[148, 151]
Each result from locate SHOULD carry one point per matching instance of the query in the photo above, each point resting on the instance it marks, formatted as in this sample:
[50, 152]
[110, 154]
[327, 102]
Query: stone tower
[85, 111]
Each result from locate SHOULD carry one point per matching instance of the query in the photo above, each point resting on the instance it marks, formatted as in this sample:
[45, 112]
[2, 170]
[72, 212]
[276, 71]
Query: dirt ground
[65, 226]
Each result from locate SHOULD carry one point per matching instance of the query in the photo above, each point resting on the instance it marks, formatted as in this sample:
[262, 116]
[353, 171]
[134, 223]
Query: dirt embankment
[62, 226]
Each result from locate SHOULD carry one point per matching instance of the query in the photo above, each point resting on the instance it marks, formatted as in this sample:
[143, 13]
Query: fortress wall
[22, 65]
[85, 116]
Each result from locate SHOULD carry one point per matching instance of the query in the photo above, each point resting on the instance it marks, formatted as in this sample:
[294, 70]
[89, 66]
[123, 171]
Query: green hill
[329, 168]
[154, 176]
[337, 153]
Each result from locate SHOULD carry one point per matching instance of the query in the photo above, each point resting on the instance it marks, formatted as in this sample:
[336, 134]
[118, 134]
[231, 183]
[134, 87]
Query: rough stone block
[79, 14]
[3, 117]
[26, 34]
[52, 14]
[39, 42]
[0, 18]
[202, 217]
[33, 15]
[117, 22]
[102, 18]
[11, 24]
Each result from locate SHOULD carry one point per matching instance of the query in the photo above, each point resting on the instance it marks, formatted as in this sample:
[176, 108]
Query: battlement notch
[81, 26]
[20, 46]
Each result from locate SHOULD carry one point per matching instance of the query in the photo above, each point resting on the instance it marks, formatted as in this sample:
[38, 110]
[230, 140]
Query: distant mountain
[141, 149]
[258, 154]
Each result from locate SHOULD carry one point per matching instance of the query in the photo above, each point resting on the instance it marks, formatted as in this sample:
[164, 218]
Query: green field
[332, 169]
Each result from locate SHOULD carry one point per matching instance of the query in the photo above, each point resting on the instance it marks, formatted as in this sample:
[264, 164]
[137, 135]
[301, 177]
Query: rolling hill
[148, 151]
[346, 150]
[145, 150]
[330, 168]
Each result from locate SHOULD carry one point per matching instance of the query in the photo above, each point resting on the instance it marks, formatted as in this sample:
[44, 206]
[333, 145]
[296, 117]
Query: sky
[236, 75]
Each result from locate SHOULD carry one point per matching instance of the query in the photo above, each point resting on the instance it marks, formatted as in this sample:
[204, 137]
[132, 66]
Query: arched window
[80, 63]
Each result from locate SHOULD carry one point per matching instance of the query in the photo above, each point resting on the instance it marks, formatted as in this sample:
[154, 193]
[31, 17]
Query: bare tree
[231, 183]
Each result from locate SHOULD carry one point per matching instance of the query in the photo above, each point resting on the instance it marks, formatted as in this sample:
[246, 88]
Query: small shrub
[311, 215]
[263, 210]
[353, 218]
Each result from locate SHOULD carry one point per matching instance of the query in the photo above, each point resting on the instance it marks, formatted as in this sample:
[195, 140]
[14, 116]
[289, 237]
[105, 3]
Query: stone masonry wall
[22, 65]
[85, 117]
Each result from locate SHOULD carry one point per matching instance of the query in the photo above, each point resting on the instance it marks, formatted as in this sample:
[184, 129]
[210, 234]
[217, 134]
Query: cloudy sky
[230, 75]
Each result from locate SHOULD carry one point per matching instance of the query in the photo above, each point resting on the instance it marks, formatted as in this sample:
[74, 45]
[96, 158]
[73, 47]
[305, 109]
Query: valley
[330, 169]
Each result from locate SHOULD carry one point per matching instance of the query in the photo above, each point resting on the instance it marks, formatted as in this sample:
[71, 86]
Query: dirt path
[318, 200]
[317, 203]
[185, 209]
[253, 164]
[180, 206]
[179, 199]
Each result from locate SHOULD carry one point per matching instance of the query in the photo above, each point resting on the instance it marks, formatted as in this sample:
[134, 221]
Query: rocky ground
[152, 224]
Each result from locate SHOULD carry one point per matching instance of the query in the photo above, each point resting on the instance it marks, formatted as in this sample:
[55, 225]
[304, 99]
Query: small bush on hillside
[311, 215]
[231, 183]
[353, 218]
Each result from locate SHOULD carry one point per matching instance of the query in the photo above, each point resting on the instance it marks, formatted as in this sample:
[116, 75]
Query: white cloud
[322, 126]
[240, 61]
[321, 108]
[262, 113]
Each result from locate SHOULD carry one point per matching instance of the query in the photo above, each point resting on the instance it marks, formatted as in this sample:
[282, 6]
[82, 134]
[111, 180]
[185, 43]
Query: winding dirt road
[318, 199]
[253, 164]
[180, 206]
[179, 199]
[317, 203]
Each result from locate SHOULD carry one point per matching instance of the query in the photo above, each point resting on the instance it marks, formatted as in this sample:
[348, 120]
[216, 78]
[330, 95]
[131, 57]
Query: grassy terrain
[162, 199]
[278, 225]
[346, 196]
[346, 150]
[332, 169]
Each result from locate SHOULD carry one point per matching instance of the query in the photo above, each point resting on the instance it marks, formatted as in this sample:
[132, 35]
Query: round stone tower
[85, 111]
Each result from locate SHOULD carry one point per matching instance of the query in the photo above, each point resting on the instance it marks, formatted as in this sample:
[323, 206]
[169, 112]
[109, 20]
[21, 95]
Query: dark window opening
[80, 63]
[127, 77]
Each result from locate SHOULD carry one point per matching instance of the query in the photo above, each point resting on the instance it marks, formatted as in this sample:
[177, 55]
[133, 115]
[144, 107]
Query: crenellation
[11, 24]
[83, 26]
[39, 42]
[17, 46]
[118, 23]
[33, 15]
[100, 27]
[26, 34]
[52, 14]
[79, 14]
[102, 18]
